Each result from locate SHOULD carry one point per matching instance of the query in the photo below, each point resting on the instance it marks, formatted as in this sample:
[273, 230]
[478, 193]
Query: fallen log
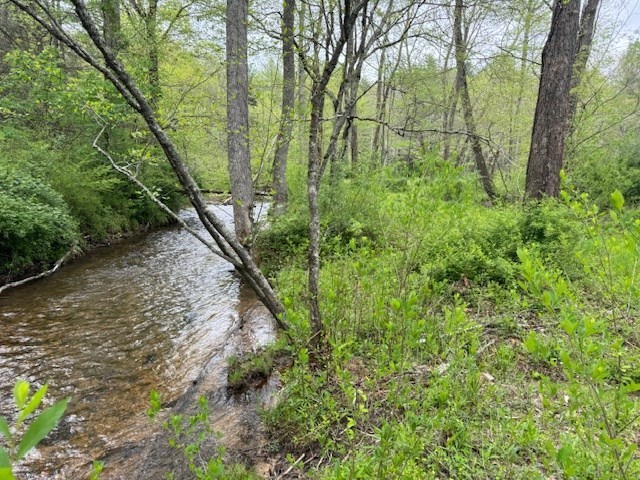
[46, 273]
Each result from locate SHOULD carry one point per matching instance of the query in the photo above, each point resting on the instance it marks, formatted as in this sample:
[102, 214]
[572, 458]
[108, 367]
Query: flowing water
[156, 312]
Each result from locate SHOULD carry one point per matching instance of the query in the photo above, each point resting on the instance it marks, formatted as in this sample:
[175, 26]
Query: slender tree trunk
[461, 80]
[111, 29]
[515, 139]
[450, 100]
[153, 72]
[238, 118]
[585, 39]
[313, 183]
[302, 75]
[552, 109]
[380, 106]
[114, 71]
[318, 91]
[288, 109]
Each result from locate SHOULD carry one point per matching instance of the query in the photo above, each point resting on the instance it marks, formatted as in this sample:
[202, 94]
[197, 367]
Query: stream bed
[157, 311]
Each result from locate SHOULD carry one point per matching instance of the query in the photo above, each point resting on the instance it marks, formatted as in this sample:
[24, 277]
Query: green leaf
[5, 474]
[631, 387]
[531, 343]
[4, 429]
[563, 456]
[40, 427]
[5, 466]
[4, 459]
[617, 200]
[20, 393]
[33, 403]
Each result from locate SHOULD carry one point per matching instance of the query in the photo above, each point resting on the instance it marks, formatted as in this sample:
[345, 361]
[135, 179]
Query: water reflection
[107, 329]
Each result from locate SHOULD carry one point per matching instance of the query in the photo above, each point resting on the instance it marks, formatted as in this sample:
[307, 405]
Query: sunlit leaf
[40, 427]
[20, 393]
[34, 403]
[617, 200]
[5, 474]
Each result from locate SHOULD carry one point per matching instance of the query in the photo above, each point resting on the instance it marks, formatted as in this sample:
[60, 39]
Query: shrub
[35, 224]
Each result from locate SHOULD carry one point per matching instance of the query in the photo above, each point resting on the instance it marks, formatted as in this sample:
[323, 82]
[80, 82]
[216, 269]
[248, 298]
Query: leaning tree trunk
[229, 246]
[552, 109]
[238, 118]
[288, 107]
[461, 80]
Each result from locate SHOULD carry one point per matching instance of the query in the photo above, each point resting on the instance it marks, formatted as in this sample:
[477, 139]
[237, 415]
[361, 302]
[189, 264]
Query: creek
[158, 311]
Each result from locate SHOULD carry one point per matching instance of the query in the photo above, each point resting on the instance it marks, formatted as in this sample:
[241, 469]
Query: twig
[124, 171]
[288, 470]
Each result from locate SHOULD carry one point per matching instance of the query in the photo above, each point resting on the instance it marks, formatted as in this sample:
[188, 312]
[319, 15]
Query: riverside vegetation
[462, 341]
[462, 337]
[56, 192]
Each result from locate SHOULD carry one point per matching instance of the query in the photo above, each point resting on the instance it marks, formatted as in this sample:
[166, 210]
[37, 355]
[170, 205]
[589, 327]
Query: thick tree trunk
[238, 118]
[279, 181]
[461, 80]
[552, 108]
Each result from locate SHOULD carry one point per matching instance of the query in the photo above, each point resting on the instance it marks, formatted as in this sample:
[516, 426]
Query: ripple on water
[140, 315]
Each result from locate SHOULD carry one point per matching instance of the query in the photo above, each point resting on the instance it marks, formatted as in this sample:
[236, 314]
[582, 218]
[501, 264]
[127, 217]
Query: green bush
[35, 224]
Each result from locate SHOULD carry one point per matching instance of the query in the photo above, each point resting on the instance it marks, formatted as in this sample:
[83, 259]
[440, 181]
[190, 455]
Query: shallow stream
[155, 312]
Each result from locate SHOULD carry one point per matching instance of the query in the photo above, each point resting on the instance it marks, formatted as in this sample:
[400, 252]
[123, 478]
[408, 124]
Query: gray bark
[461, 80]
[111, 28]
[318, 92]
[238, 118]
[151, 25]
[585, 39]
[279, 181]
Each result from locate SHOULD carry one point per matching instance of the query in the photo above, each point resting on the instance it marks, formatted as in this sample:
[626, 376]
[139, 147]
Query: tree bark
[115, 72]
[153, 70]
[238, 119]
[111, 28]
[318, 92]
[585, 39]
[552, 108]
[279, 181]
[515, 139]
[461, 80]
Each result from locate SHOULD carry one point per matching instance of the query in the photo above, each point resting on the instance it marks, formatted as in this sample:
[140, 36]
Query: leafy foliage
[470, 342]
[19, 440]
[35, 223]
[56, 189]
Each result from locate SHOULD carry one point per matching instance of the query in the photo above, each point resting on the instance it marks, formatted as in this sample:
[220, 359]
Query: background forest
[463, 323]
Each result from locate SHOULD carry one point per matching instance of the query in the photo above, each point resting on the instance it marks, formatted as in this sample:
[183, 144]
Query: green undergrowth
[56, 190]
[465, 341]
